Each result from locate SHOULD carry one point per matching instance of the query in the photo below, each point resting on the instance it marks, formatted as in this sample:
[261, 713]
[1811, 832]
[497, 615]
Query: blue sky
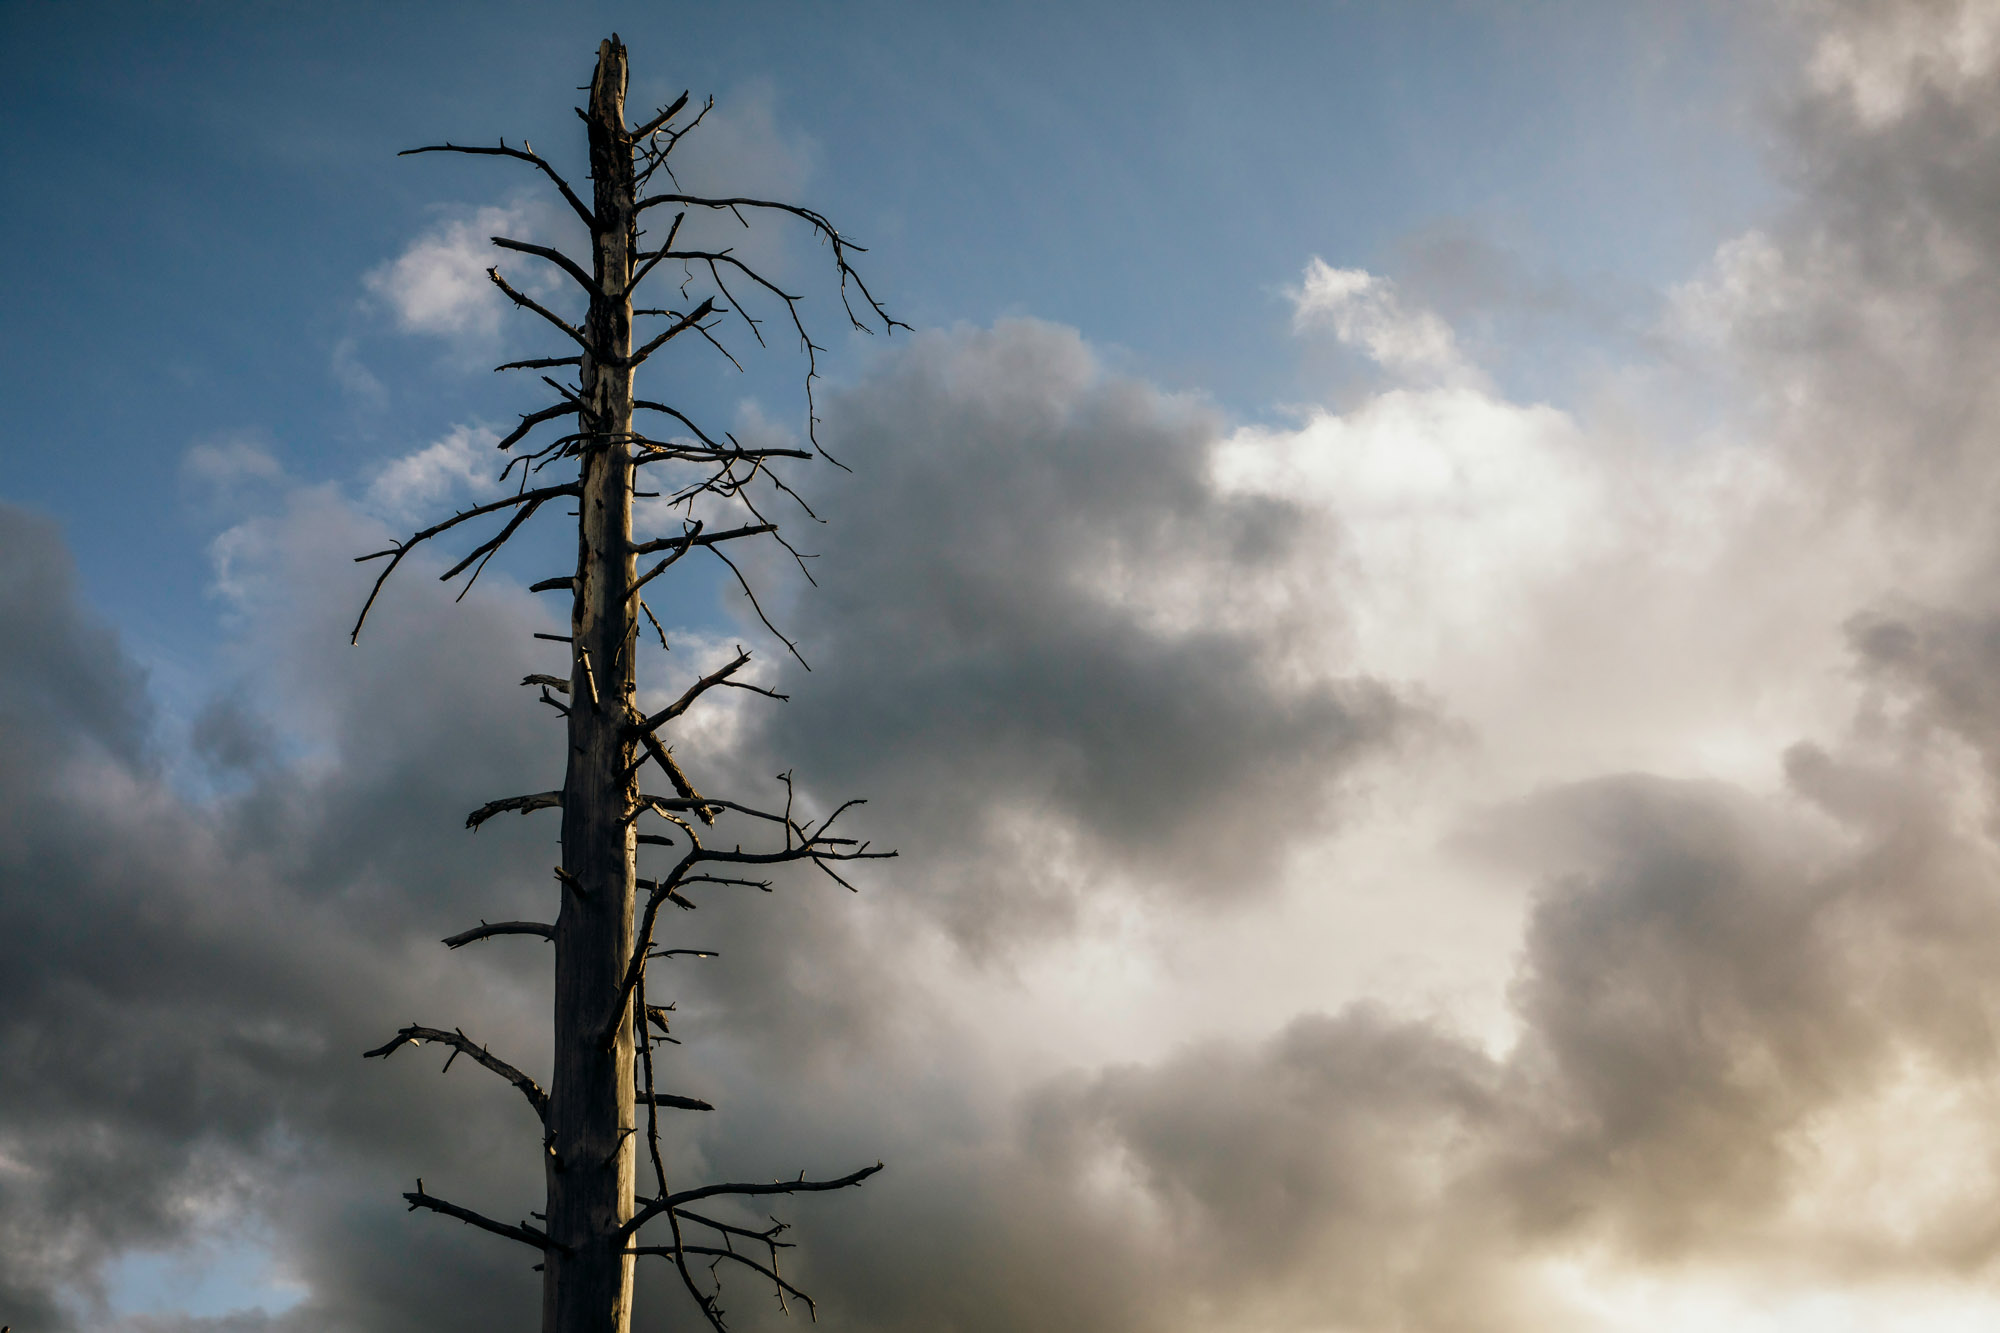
[1155, 177]
[1417, 599]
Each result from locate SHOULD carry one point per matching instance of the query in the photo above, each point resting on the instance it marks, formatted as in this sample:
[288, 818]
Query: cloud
[1174, 720]
[1877, 59]
[416, 483]
[1366, 311]
[438, 285]
[1036, 569]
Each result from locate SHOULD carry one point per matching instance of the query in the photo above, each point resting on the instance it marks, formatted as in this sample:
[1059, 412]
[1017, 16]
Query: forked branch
[532, 499]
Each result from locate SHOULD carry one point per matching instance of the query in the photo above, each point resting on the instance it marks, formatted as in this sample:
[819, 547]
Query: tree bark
[587, 1276]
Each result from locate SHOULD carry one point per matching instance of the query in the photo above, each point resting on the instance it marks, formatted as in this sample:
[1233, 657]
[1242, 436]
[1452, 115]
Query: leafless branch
[668, 1099]
[541, 800]
[464, 1045]
[758, 607]
[523, 155]
[679, 326]
[524, 1233]
[400, 549]
[653, 126]
[554, 256]
[529, 303]
[486, 930]
[532, 420]
[654, 1207]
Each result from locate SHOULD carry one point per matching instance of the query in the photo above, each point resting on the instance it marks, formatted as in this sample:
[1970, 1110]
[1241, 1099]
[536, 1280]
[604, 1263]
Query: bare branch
[541, 800]
[673, 710]
[668, 1099]
[683, 542]
[464, 1045]
[654, 1207]
[403, 548]
[554, 256]
[529, 303]
[528, 156]
[758, 607]
[524, 1233]
[540, 363]
[532, 420]
[550, 682]
[679, 326]
[672, 1251]
[685, 789]
[654, 125]
[486, 930]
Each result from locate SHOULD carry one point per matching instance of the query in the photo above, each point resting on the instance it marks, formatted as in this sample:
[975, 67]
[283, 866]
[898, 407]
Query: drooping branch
[487, 930]
[518, 154]
[529, 303]
[817, 221]
[486, 550]
[672, 1251]
[396, 553]
[524, 1233]
[464, 1045]
[541, 800]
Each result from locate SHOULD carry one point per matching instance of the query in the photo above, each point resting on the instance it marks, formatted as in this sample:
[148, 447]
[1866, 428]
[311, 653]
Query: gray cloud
[1064, 665]
[1030, 644]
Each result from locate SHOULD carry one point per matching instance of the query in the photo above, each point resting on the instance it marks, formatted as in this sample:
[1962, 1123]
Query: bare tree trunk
[591, 1233]
[587, 1285]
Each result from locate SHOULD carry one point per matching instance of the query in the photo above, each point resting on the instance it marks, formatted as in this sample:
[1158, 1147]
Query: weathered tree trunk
[591, 1233]
[587, 1276]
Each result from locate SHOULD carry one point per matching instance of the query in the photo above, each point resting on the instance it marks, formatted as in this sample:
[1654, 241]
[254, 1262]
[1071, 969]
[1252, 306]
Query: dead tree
[588, 447]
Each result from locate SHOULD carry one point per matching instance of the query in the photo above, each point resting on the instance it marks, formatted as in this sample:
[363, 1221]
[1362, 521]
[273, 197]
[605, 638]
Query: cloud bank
[1443, 863]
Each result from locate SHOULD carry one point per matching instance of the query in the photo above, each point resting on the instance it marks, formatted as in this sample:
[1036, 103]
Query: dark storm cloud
[184, 989]
[1037, 634]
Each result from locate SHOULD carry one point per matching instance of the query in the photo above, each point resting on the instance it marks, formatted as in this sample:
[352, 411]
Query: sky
[1417, 600]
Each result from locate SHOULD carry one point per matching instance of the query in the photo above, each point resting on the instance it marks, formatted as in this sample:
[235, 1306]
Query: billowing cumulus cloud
[1439, 863]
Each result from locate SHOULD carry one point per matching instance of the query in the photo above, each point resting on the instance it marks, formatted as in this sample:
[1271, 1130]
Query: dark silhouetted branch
[524, 1233]
[529, 303]
[486, 930]
[400, 549]
[541, 800]
[464, 1045]
[668, 1099]
[521, 155]
[554, 256]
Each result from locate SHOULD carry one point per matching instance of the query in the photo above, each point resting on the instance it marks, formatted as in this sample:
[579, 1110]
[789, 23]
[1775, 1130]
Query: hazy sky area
[1419, 601]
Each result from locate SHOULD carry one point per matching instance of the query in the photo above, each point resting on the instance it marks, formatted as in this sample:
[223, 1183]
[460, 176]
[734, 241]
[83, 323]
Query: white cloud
[1367, 313]
[438, 285]
[463, 459]
[1879, 58]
